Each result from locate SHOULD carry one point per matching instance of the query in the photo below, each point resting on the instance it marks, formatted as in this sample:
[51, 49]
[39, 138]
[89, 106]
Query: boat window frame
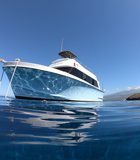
[76, 72]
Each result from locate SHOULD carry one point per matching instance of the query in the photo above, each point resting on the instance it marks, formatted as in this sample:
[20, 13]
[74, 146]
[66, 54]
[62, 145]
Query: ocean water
[41, 130]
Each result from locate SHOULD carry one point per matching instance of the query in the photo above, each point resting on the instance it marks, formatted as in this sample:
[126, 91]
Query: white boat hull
[34, 82]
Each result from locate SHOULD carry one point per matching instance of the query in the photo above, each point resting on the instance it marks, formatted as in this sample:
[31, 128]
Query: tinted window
[79, 74]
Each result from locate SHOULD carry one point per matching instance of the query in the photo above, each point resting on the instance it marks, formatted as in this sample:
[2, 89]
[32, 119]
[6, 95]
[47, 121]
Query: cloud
[133, 88]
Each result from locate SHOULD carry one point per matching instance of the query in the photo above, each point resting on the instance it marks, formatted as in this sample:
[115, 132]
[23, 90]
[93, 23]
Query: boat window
[84, 77]
[94, 82]
[79, 74]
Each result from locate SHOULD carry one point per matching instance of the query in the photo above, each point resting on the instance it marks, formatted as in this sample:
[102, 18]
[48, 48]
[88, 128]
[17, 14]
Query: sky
[104, 34]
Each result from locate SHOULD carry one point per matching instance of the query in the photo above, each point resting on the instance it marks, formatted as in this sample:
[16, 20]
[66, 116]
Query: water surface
[73, 131]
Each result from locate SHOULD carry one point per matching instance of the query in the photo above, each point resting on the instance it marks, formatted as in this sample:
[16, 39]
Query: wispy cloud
[133, 88]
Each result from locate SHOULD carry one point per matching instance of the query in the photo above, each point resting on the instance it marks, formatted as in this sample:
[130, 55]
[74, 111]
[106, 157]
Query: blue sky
[105, 35]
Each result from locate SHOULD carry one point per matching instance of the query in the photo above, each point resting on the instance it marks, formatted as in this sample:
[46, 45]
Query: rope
[7, 91]
[1, 78]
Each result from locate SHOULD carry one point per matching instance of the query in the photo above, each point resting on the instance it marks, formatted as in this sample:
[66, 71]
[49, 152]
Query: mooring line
[1, 78]
[7, 91]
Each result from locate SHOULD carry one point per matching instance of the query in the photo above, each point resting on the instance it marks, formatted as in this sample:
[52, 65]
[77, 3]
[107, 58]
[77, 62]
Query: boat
[65, 79]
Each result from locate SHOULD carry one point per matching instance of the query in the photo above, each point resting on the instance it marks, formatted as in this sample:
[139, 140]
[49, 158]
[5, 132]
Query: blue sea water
[41, 130]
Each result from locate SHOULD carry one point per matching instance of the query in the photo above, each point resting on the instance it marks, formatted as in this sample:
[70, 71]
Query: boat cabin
[70, 65]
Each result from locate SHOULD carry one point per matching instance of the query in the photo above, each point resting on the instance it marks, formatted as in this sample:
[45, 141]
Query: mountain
[132, 93]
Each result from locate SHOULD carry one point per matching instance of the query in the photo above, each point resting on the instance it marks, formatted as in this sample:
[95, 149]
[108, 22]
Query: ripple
[86, 130]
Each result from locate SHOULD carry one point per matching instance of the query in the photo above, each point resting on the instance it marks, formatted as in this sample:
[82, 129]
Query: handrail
[2, 60]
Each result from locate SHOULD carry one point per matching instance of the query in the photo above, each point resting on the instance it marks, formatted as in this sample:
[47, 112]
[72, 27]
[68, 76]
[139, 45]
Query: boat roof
[67, 54]
[67, 62]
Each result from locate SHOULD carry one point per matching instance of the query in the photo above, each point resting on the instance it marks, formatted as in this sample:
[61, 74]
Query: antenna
[61, 49]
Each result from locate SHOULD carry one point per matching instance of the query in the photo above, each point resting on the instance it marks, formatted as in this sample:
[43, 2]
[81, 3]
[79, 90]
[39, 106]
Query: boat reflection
[55, 123]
